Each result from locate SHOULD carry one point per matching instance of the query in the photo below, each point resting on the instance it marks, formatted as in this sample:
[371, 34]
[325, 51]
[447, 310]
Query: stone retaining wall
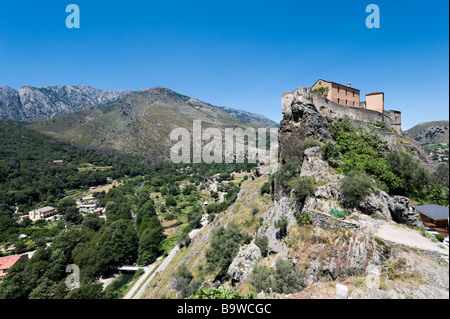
[329, 222]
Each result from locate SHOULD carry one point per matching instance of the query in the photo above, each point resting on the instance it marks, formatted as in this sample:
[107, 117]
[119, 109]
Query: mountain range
[129, 121]
[28, 104]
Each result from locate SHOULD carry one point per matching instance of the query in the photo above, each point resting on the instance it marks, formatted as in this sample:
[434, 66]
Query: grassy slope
[194, 255]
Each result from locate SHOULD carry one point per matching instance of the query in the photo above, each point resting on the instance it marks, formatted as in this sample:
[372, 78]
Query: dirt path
[408, 237]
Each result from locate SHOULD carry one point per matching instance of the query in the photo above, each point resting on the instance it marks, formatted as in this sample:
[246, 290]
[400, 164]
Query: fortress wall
[396, 119]
[331, 110]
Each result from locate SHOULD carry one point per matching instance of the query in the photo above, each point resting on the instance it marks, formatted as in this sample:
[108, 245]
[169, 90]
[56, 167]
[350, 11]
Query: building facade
[340, 94]
[375, 101]
[41, 213]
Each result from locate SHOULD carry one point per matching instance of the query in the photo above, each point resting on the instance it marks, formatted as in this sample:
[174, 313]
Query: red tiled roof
[8, 261]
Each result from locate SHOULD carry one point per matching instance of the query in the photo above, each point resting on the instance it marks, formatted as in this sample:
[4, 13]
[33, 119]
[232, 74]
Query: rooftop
[8, 261]
[44, 209]
[435, 212]
[336, 84]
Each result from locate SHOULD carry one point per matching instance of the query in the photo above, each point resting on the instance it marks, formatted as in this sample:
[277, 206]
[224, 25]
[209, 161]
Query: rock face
[398, 208]
[243, 263]
[326, 196]
[279, 209]
[350, 257]
[301, 120]
[403, 212]
[31, 103]
[376, 205]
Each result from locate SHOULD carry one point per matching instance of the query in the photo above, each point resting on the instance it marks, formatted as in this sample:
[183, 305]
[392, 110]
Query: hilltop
[434, 138]
[430, 132]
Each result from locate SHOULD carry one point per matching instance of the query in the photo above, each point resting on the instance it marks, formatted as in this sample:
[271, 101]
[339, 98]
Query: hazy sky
[243, 54]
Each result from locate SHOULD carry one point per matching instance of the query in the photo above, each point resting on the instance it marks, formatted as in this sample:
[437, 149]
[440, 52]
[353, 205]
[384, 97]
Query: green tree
[354, 188]
[288, 278]
[302, 186]
[117, 245]
[150, 246]
[224, 246]
[322, 91]
[260, 278]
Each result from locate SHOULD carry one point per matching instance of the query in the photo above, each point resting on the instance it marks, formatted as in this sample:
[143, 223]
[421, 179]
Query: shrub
[221, 293]
[311, 142]
[184, 240]
[265, 189]
[439, 237]
[224, 246]
[260, 278]
[211, 217]
[355, 187]
[185, 282]
[330, 153]
[302, 187]
[255, 210]
[246, 238]
[282, 224]
[286, 172]
[288, 278]
[262, 243]
[304, 219]
[322, 91]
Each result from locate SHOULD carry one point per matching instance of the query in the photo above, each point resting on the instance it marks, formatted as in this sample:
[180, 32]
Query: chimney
[348, 84]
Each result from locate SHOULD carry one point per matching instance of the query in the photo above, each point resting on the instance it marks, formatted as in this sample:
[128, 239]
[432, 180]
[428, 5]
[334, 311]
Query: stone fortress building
[343, 100]
[306, 112]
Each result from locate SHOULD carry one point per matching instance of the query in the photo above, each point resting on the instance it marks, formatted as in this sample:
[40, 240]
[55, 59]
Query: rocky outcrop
[279, 209]
[350, 257]
[376, 205]
[398, 208]
[301, 120]
[403, 212]
[243, 263]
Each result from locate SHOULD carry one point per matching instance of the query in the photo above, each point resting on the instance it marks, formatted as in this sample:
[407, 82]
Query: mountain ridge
[29, 104]
[141, 122]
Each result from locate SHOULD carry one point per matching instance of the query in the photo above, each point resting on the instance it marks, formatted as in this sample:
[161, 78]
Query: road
[148, 269]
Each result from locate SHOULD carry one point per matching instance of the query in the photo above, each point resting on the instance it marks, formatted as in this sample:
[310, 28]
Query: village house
[9, 261]
[41, 213]
[87, 208]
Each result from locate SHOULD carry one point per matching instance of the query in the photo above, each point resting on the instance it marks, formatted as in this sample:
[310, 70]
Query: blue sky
[243, 54]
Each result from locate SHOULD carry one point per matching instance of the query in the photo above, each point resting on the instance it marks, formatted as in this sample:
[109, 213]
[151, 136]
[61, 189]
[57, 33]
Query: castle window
[345, 102]
[353, 103]
[338, 89]
[345, 91]
[339, 101]
[353, 93]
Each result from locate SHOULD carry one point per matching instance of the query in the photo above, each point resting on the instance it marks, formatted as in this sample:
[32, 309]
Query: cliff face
[301, 120]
